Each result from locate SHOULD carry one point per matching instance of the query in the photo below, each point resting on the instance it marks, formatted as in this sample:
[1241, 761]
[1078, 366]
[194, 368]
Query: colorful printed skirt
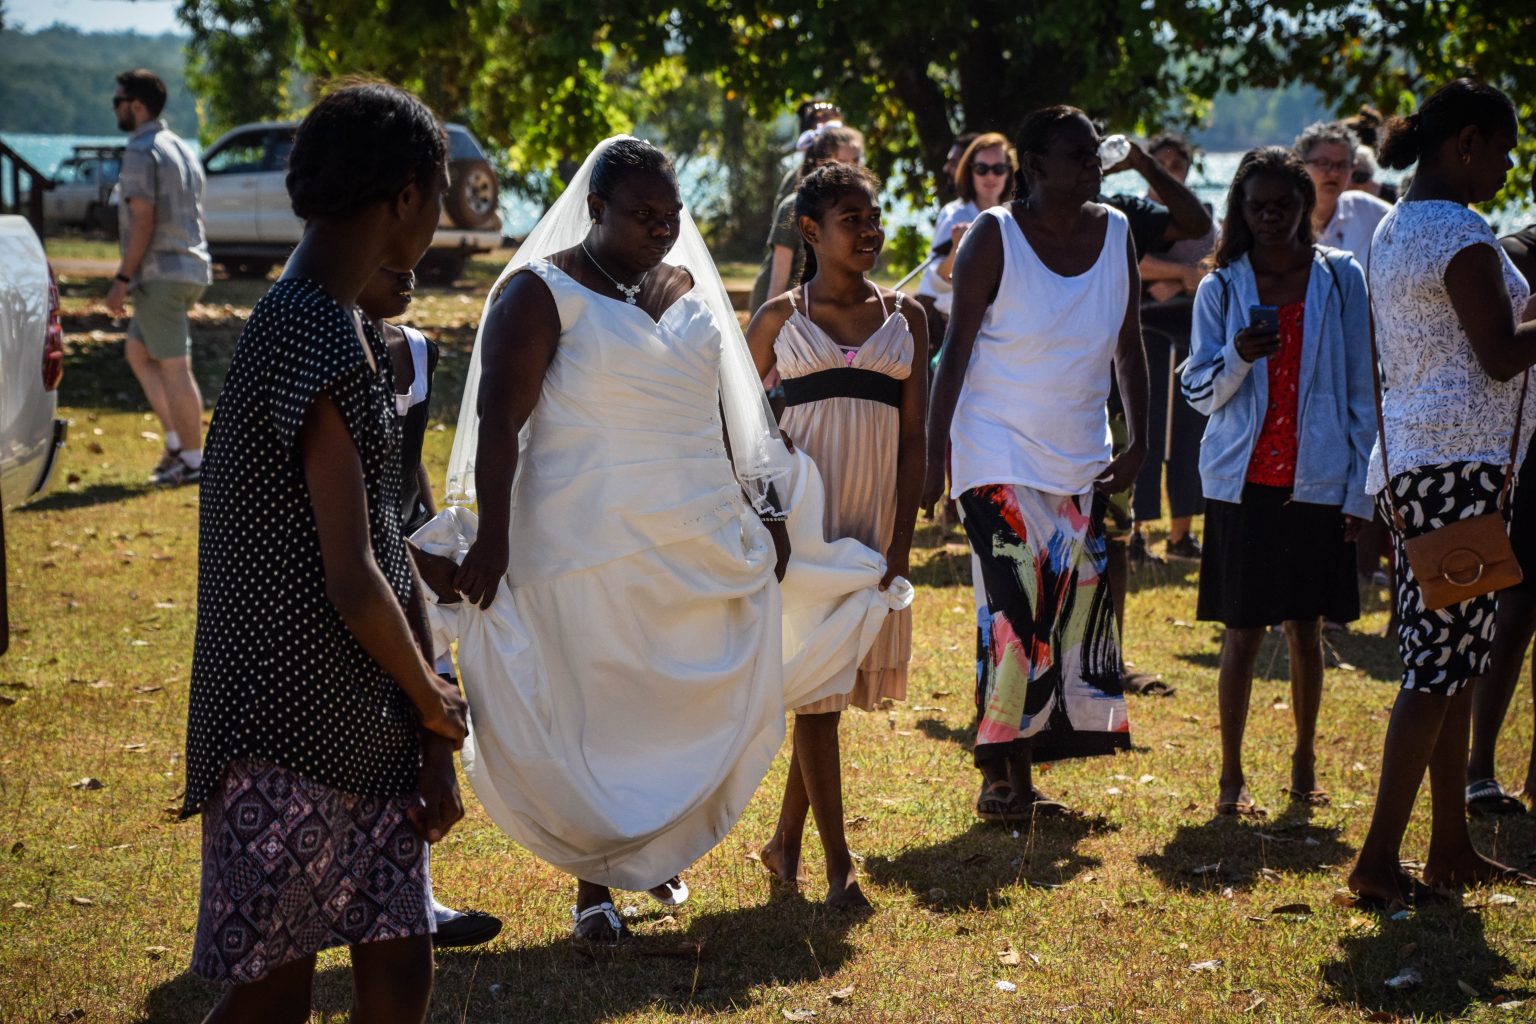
[291, 867]
[1052, 674]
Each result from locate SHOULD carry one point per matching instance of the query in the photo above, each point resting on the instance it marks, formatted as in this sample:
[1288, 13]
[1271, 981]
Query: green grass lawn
[1141, 909]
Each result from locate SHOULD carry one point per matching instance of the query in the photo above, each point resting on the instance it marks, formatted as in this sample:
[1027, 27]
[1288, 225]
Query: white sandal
[677, 892]
[611, 919]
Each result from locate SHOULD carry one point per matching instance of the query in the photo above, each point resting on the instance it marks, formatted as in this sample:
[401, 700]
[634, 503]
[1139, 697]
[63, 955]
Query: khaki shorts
[160, 316]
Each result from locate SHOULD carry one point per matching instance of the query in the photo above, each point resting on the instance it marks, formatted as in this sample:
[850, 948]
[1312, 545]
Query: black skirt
[1269, 560]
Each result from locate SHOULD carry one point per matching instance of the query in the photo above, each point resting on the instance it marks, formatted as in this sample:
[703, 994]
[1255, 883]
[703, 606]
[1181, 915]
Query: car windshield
[462, 145]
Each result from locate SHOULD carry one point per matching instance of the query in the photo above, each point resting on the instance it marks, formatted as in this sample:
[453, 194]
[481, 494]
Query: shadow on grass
[716, 963]
[1227, 851]
[947, 566]
[1373, 656]
[1451, 951]
[972, 869]
[937, 729]
[96, 494]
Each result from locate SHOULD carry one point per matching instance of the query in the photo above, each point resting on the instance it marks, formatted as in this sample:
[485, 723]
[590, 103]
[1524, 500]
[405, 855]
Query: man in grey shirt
[164, 268]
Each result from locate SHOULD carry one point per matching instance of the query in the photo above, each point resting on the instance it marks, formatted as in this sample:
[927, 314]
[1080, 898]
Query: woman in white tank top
[1046, 301]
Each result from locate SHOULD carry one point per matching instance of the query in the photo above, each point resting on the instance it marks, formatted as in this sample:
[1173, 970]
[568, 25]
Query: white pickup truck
[250, 222]
[31, 365]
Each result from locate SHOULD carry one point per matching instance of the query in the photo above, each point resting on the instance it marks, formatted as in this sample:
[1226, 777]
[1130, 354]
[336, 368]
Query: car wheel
[473, 192]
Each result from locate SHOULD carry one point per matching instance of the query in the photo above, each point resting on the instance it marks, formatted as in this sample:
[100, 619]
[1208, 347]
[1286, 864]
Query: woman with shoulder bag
[1446, 304]
[1280, 361]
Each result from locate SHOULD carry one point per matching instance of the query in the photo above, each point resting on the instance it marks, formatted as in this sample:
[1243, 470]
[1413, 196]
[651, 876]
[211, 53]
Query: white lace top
[1438, 405]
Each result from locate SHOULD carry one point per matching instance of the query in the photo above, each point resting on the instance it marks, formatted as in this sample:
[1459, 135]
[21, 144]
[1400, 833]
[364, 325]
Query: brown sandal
[999, 803]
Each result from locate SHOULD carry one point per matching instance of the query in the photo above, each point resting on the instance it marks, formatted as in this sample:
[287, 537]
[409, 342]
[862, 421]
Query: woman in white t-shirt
[984, 178]
[1344, 218]
[1447, 303]
[1047, 299]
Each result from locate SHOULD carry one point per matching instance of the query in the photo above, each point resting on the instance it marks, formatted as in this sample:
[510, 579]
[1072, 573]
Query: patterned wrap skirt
[1442, 649]
[292, 866]
[1052, 673]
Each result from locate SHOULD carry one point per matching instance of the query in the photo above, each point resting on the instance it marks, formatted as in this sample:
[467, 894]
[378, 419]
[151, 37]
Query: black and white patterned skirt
[1444, 648]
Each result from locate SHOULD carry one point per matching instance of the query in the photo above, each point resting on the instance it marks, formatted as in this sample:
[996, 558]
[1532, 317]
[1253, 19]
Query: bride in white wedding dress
[624, 641]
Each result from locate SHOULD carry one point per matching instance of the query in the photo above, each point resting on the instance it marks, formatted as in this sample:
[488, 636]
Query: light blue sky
[148, 16]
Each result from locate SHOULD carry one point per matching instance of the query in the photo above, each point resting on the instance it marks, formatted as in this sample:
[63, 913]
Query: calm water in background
[1209, 180]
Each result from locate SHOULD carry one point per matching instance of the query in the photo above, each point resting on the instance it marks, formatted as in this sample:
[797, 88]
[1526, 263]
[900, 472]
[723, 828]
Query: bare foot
[1469, 868]
[1303, 774]
[1234, 798]
[780, 865]
[843, 892]
[1389, 885]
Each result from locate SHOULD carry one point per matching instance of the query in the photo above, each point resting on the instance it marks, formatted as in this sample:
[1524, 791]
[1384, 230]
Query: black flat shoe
[470, 928]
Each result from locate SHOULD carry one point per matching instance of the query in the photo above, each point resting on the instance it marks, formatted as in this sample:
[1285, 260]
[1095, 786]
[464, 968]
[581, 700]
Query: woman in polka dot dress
[319, 739]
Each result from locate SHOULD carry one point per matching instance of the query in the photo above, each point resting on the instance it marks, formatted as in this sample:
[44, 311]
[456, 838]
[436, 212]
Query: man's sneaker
[168, 459]
[1138, 553]
[177, 474]
[1185, 549]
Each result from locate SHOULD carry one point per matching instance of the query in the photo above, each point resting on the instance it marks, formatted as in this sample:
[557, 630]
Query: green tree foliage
[61, 79]
[542, 80]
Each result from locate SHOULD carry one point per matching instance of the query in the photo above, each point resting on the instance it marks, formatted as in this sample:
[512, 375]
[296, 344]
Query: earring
[1466, 158]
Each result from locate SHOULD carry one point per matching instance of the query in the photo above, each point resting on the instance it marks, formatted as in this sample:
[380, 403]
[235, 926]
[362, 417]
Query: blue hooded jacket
[1336, 415]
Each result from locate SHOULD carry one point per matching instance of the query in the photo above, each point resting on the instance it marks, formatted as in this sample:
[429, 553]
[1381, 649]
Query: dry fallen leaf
[1468, 989]
[1406, 951]
[1292, 910]
[799, 1014]
[1006, 986]
[68, 1016]
[1008, 956]
[86, 783]
[1405, 979]
[839, 996]
[155, 952]
[19, 905]
[82, 901]
[1205, 965]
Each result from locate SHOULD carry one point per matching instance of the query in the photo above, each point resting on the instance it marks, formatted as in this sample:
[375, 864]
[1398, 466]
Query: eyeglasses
[999, 169]
[1330, 166]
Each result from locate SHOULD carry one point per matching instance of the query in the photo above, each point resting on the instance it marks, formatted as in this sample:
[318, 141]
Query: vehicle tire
[472, 196]
[441, 267]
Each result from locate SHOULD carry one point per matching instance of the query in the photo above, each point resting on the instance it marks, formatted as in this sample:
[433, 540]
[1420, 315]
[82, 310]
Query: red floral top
[1273, 462]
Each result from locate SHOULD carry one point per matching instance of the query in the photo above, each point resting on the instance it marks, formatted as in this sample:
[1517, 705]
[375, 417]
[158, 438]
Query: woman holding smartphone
[1280, 362]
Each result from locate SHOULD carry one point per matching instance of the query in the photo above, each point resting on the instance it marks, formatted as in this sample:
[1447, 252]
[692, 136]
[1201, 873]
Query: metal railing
[28, 203]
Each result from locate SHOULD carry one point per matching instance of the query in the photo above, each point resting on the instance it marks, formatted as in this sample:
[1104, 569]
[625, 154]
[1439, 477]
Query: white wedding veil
[758, 454]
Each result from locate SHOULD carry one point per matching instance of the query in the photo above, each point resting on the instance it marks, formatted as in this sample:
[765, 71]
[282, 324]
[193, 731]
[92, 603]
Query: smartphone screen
[1264, 319]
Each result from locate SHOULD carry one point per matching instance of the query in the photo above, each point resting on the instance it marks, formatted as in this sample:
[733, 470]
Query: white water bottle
[1113, 150]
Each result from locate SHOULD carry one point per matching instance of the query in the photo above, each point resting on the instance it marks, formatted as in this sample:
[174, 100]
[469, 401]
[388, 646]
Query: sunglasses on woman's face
[999, 169]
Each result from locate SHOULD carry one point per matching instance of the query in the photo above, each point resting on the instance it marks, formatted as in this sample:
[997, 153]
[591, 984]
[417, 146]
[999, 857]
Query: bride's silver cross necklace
[629, 290]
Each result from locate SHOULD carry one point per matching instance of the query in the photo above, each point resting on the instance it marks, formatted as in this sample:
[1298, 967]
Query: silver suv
[251, 226]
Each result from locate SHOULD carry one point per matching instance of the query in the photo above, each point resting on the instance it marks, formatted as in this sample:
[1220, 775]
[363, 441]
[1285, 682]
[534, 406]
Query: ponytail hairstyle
[1454, 106]
[1235, 239]
[825, 144]
[820, 190]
